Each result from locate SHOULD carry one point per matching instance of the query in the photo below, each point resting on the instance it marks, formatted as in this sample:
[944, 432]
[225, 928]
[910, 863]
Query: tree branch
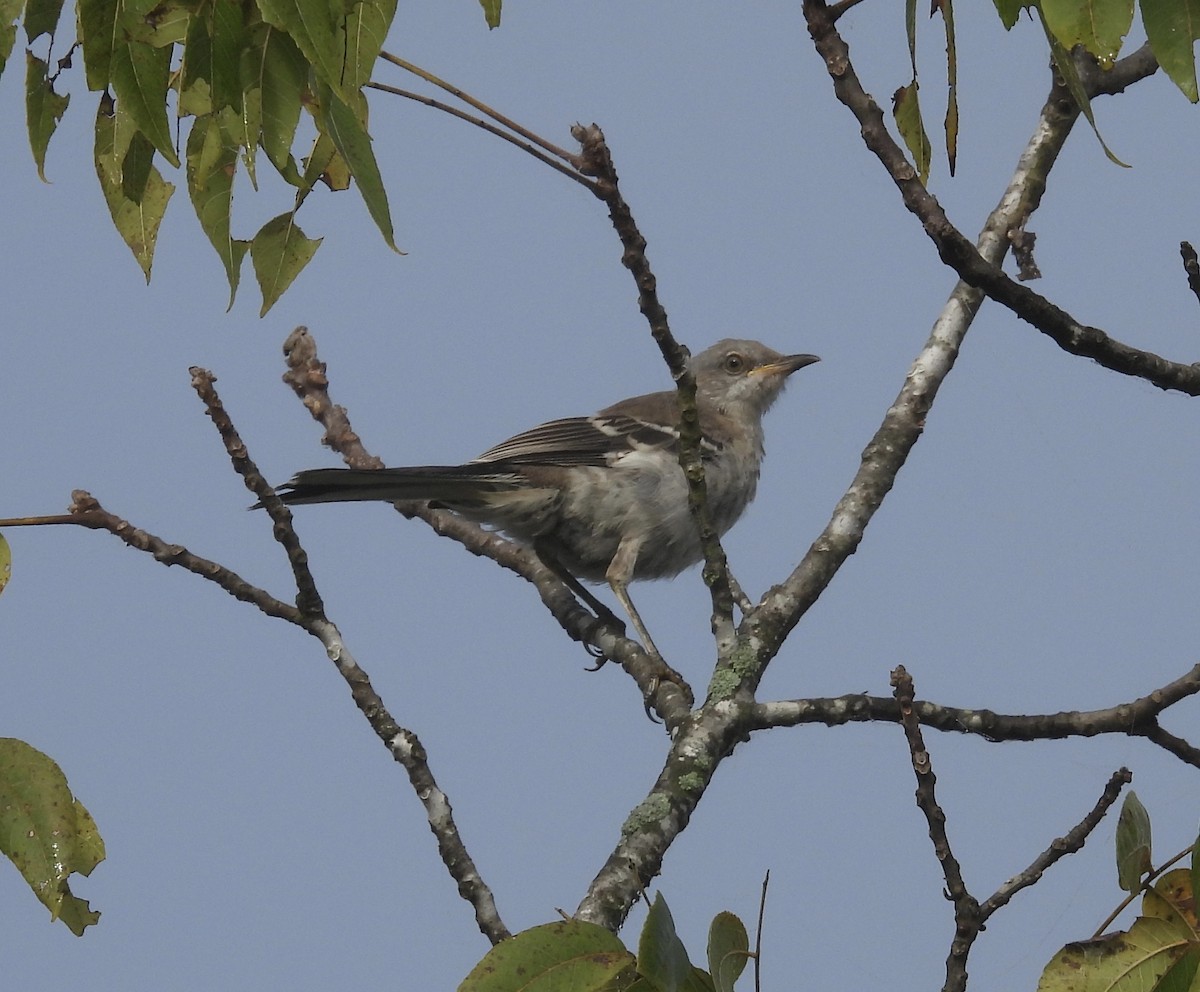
[782, 607]
[974, 267]
[1138, 718]
[1059, 848]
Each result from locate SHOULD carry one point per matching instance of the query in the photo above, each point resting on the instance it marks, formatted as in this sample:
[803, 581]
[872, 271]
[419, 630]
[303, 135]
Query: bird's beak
[785, 366]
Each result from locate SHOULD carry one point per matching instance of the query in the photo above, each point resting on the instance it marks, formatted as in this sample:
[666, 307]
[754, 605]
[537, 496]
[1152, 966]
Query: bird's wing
[635, 424]
[577, 441]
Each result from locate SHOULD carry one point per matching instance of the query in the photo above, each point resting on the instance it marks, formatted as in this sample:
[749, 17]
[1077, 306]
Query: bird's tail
[455, 485]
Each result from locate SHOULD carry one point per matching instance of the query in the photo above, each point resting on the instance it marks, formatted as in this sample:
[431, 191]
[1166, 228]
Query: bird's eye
[735, 364]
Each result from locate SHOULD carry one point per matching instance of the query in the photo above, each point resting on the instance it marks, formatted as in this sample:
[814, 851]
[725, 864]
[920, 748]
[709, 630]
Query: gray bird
[602, 498]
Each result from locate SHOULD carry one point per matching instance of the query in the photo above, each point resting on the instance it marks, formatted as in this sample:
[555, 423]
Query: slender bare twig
[483, 108]
[758, 932]
[499, 132]
[967, 921]
[86, 511]
[308, 600]
[1059, 848]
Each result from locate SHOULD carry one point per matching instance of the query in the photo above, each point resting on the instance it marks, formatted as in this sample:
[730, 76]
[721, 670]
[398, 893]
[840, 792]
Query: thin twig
[567, 170]
[482, 107]
[959, 253]
[967, 917]
[1059, 848]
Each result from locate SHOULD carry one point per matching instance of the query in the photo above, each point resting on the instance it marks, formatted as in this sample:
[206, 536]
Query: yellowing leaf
[907, 112]
[46, 832]
[1099, 26]
[1120, 961]
[5, 562]
[121, 154]
[212, 155]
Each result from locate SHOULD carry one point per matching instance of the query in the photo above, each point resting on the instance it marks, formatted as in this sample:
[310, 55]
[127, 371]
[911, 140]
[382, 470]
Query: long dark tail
[451, 484]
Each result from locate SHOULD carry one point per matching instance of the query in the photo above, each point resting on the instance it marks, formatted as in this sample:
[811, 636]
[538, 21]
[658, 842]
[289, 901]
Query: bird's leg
[602, 612]
[620, 571]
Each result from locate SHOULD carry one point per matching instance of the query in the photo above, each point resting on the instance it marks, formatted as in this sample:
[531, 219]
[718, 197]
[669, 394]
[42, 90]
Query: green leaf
[43, 109]
[346, 128]
[1099, 26]
[316, 28]
[5, 562]
[662, 958]
[907, 112]
[228, 40]
[951, 126]
[728, 950]
[279, 72]
[119, 147]
[140, 75]
[46, 832]
[212, 155]
[569, 954]
[10, 10]
[366, 29]
[1120, 962]
[136, 168]
[1066, 68]
[1010, 11]
[1181, 975]
[1133, 844]
[97, 28]
[166, 24]
[41, 17]
[491, 12]
[280, 252]
[1172, 27]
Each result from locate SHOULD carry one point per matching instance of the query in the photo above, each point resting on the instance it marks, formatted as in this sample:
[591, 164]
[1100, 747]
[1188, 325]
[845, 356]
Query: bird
[601, 498]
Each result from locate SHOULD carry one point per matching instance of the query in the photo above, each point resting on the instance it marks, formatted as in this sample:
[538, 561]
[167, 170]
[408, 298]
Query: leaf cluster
[1097, 28]
[1160, 952]
[242, 74]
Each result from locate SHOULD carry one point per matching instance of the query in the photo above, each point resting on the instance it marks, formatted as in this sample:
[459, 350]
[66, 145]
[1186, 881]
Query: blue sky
[1038, 552]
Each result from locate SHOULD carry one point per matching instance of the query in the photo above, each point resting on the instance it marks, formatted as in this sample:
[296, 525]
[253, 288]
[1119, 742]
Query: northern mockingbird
[602, 498]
